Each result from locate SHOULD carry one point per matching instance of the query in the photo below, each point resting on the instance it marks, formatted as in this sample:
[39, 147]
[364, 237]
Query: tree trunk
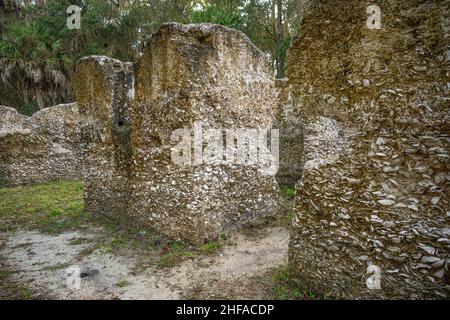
[280, 64]
[39, 98]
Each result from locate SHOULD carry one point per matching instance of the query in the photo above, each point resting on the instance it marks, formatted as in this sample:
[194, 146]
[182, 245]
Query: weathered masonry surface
[383, 200]
[40, 148]
[290, 124]
[187, 75]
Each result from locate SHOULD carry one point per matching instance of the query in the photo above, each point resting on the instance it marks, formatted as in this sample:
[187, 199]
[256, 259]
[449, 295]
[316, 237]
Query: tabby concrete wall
[379, 208]
[290, 124]
[196, 78]
[40, 148]
[103, 88]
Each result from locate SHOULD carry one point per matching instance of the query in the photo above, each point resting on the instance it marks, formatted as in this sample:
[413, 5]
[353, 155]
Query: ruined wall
[196, 77]
[40, 148]
[104, 90]
[381, 196]
[290, 124]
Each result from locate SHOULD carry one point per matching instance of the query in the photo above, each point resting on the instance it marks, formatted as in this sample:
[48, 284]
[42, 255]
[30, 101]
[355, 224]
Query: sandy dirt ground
[49, 266]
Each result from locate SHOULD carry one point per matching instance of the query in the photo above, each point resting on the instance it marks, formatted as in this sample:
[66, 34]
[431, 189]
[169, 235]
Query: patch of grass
[51, 207]
[55, 213]
[286, 289]
[114, 245]
[125, 239]
[173, 254]
[188, 254]
[79, 241]
[288, 192]
[59, 206]
[287, 219]
[122, 283]
[4, 274]
[59, 266]
[169, 260]
[24, 292]
[211, 247]
[118, 242]
[87, 251]
[11, 289]
[177, 252]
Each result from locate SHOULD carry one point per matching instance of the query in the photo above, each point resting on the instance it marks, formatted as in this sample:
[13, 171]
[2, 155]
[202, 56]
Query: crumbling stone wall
[191, 77]
[290, 124]
[383, 199]
[104, 91]
[39, 148]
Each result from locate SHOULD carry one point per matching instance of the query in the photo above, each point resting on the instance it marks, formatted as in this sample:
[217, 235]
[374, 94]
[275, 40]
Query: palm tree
[9, 10]
[31, 67]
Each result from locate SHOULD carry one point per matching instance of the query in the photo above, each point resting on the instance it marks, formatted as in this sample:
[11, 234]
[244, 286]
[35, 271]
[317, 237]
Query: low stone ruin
[193, 85]
[40, 148]
[372, 211]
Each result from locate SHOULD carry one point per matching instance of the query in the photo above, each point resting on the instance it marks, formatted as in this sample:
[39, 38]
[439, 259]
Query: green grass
[11, 289]
[58, 206]
[122, 283]
[51, 207]
[174, 253]
[211, 247]
[287, 218]
[177, 252]
[79, 241]
[59, 266]
[288, 192]
[286, 289]
[123, 239]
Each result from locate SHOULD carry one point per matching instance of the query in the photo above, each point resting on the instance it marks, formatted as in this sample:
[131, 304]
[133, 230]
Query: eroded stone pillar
[196, 76]
[373, 220]
[105, 88]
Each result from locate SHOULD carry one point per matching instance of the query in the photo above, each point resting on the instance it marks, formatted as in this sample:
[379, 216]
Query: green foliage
[52, 207]
[38, 53]
[10, 288]
[29, 108]
[213, 14]
[287, 219]
[211, 247]
[174, 254]
[59, 206]
[288, 192]
[177, 252]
